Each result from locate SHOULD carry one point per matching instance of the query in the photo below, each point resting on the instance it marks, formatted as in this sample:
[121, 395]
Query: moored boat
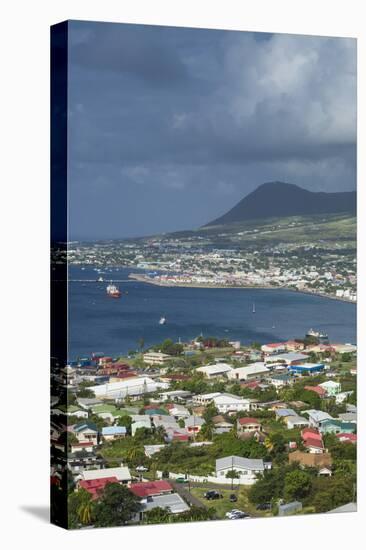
[113, 291]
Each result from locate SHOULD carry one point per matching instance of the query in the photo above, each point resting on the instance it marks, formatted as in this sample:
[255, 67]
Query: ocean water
[114, 326]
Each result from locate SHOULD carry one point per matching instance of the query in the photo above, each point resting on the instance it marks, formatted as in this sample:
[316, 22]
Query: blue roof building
[309, 368]
[114, 431]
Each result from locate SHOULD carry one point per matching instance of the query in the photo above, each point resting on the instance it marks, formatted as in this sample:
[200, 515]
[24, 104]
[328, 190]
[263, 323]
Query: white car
[236, 514]
[141, 469]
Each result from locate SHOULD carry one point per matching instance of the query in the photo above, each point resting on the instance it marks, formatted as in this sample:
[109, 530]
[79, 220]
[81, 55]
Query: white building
[214, 371]
[246, 468]
[251, 372]
[296, 422]
[227, 402]
[156, 358]
[132, 387]
[204, 398]
[122, 473]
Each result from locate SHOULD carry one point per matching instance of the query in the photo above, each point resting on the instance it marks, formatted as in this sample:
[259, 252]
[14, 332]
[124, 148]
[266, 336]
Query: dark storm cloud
[187, 121]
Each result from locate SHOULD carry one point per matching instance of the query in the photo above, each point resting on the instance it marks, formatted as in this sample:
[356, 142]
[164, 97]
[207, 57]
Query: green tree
[141, 344]
[157, 515]
[125, 420]
[297, 485]
[117, 506]
[80, 509]
[232, 474]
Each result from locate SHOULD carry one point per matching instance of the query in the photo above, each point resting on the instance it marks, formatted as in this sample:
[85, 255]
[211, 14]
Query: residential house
[282, 413]
[87, 446]
[246, 468]
[70, 410]
[85, 431]
[331, 387]
[312, 441]
[248, 424]
[122, 473]
[316, 418]
[95, 487]
[228, 403]
[295, 422]
[280, 380]
[158, 494]
[348, 417]
[347, 438]
[337, 426]
[110, 433]
[205, 399]
[176, 395]
[146, 423]
[193, 424]
[311, 460]
[88, 402]
[316, 389]
[178, 411]
[341, 397]
[84, 460]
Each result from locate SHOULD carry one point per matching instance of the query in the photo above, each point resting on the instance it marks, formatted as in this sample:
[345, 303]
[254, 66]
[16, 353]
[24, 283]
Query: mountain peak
[279, 199]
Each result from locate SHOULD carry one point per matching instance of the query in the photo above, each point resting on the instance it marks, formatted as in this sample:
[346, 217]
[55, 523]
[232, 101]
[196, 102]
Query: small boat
[162, 321]
[113, 291]
[100, 280]
[253, 310]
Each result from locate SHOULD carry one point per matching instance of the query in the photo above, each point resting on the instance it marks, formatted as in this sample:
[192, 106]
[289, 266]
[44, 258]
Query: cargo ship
[113, 291]
[321, 336]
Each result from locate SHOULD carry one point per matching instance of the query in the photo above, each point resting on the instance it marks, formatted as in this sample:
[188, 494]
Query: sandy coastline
[149, 280]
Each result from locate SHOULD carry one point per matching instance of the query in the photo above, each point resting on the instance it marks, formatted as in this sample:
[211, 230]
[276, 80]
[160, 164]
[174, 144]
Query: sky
[170, 127]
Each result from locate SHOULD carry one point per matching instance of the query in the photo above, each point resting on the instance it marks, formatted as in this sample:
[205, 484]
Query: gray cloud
[195, 119]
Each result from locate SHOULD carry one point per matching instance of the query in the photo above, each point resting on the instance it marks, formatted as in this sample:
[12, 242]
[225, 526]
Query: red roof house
[317, 389]
[146, 489]
[347, 438]
[312, 433]
[96, 486]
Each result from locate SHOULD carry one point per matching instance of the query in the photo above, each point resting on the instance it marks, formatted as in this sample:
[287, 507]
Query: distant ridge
[277, 199]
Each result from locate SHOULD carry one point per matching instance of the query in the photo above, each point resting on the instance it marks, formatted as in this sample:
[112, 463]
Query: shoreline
[146, 279]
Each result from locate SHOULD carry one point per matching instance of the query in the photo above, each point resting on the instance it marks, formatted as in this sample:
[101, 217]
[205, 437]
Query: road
[186, 495]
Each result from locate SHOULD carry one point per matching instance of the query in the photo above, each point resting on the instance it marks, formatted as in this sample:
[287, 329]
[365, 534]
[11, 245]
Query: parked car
[212, 495]
[237, 514]
[264, 506]
[141, 469]
[233, 498]
[181, 480]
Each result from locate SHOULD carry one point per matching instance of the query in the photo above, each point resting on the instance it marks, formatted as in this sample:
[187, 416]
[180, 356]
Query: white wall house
[227, 402]
[246, 468]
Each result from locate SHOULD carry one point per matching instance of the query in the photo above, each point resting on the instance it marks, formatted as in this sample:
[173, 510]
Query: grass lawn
[105, 408]
[224, 505]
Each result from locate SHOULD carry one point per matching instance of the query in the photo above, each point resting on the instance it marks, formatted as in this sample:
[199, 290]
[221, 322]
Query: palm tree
[84, 510]
[141, 344]
[133, 453]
